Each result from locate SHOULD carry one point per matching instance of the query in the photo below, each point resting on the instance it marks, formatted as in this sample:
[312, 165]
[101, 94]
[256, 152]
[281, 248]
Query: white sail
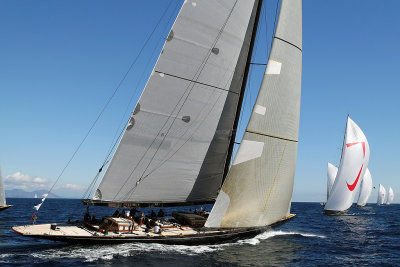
[175, 146]
[2, 192]
[353, 165]
[381, 195]
[332, 172]
[259, 185]
[365, 189]
[390, 196]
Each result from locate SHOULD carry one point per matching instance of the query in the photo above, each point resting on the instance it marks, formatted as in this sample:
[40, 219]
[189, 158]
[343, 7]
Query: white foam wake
[94, 253]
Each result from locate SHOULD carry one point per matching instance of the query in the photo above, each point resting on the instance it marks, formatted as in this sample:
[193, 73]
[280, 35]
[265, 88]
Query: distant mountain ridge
[19, 193]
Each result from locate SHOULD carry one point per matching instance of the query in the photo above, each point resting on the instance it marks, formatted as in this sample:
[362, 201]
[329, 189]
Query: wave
[94, 253]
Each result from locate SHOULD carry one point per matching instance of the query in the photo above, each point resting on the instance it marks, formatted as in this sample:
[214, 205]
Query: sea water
[368, 236]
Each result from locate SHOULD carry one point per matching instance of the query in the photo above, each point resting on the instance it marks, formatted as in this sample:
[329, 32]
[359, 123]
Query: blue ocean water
[368, 236]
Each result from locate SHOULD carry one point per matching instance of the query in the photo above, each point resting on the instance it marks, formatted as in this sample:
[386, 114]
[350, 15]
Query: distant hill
[19, 193]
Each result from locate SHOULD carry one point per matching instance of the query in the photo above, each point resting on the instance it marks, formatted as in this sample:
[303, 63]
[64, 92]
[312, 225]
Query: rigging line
[168, 157]
[266, 24]
[198, 72]
[201, 122]
[209, 54]
[189, 138]
[143, 73]
[275, 20]
[113, 144]
[109, 99]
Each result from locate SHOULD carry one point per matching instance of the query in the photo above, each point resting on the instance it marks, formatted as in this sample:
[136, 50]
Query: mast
[242, 91]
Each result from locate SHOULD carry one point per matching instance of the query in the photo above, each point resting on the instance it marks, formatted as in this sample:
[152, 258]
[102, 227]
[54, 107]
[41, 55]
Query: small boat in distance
[390, 196]
[381, 195]
[365, 189]
[353, 164]
[3, 204]
[35, 196]
[177, 146]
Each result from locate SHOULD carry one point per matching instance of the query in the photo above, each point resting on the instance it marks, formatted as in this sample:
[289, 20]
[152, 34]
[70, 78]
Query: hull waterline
[5, 207]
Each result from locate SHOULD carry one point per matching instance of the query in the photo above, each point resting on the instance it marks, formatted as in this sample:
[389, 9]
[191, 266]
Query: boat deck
[80, 231]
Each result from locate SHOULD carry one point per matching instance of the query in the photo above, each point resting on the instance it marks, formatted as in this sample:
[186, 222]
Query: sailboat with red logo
[353, 165]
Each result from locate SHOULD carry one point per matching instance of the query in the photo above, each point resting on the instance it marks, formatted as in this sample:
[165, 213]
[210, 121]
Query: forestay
[259, 185]
[332, 172]
[381, 195]
[353, 164]
[175, 145]
[365, 189]
[2, 193]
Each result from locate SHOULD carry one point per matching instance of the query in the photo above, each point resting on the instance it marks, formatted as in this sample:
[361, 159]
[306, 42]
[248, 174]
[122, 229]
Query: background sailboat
[365, 189]
[390, 196]
[353, 164]
[381, 195]
[331, 174]
[3, 204]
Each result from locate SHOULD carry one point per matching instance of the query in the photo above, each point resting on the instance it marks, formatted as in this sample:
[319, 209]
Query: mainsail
[390, 196]
[259, 185]
[353, 164]
[176, 143]
[381, 195]
[2, 193]
[365, 189]
[332, 172]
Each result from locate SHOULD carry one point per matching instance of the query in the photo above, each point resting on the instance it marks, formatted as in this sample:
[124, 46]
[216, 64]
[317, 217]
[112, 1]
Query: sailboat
[178, 144]
[332, 172]
[365, 189]
[353, 165]
[381, 195]
[35, 196]
[3, 204]
[390, 196]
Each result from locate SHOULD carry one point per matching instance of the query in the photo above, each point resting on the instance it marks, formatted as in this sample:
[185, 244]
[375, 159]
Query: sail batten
[258, 188]
[175, 145]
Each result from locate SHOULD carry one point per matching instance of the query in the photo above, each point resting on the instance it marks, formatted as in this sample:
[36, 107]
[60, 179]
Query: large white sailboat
[3, 204]
[381, 195]
[365, 189]
[177, 146]
[353, 165]
[390, 196]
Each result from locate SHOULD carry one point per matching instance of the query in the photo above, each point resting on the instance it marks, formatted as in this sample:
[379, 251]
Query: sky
[60, 61]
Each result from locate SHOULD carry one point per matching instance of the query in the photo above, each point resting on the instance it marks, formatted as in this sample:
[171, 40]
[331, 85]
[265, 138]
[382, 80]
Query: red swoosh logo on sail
[352, 186]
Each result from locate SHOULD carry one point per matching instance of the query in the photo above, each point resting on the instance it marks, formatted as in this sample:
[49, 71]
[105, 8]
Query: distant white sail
[332, 172]
[366, 189]
[2, 193]
[390, 196]
[353, 165]
[381, 195]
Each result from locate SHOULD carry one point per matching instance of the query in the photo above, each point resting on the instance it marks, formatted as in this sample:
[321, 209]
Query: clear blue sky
[61, 60]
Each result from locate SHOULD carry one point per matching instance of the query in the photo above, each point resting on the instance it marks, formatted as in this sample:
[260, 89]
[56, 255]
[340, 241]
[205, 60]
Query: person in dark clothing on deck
[160, 213]
[153, 214]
